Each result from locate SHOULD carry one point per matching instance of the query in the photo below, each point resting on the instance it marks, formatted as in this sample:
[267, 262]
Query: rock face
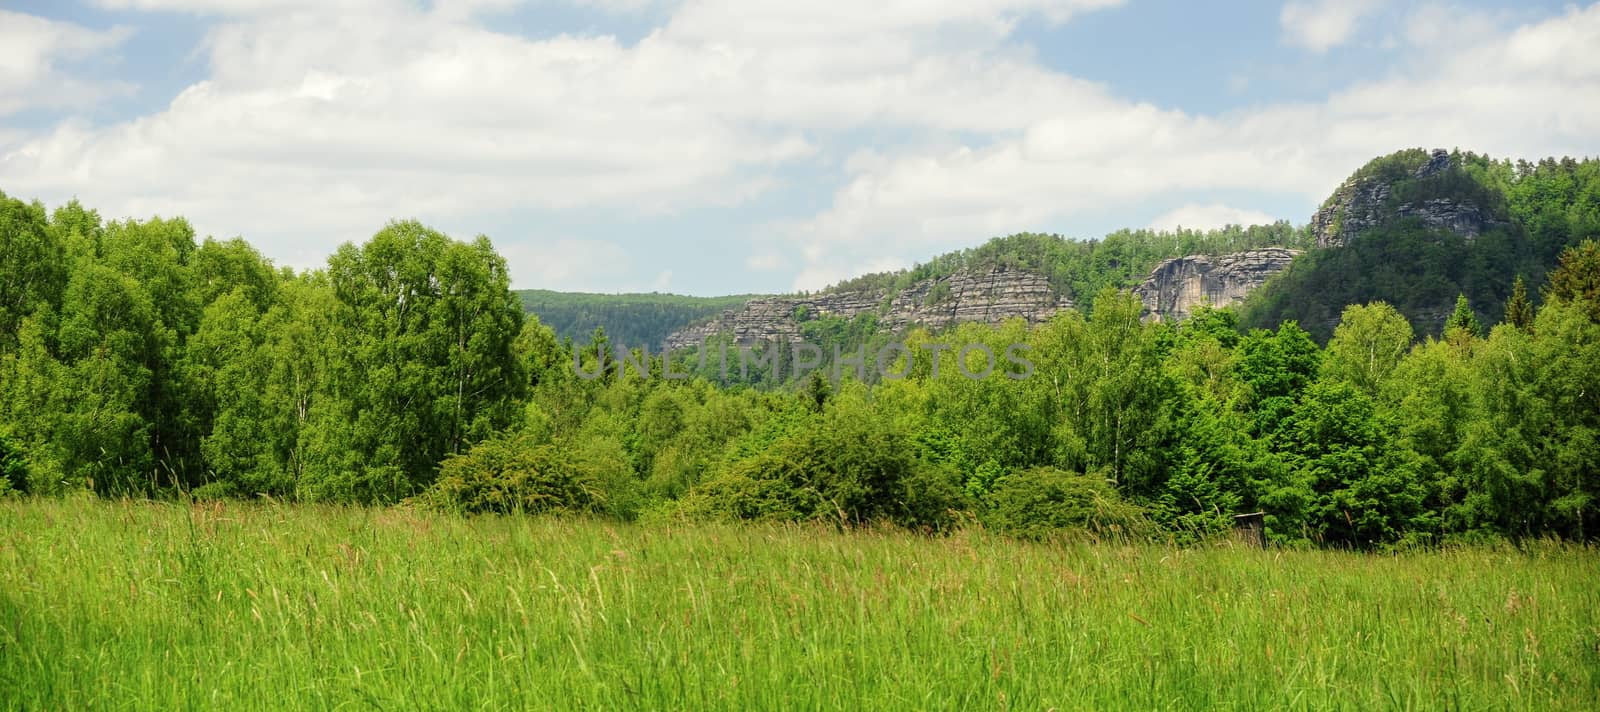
[989, 296]
[1175, 287]
[1363, 203]
[992, 296]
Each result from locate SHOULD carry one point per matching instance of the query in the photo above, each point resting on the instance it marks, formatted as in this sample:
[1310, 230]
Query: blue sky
[721, 146]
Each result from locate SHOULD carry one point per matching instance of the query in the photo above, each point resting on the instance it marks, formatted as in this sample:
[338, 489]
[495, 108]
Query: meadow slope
[167, 606]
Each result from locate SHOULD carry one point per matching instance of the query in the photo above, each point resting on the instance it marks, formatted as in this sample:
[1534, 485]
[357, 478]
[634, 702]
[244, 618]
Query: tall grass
[166, 606]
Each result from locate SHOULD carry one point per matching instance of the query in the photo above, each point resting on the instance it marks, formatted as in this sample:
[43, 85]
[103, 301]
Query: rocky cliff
[1175, 287]
[990, 296]
[1366, 201]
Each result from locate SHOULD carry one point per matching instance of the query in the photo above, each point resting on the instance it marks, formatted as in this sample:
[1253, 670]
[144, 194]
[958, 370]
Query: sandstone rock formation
[1175, 287]
[992, 296]
[989, 296]
[1363, 203]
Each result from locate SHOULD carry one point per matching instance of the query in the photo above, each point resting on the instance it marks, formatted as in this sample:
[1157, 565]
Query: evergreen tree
[1577, 278]
[1519, 311]
[1463, 320]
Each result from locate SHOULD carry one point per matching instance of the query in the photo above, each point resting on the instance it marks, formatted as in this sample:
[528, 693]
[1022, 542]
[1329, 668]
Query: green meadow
[143, 605]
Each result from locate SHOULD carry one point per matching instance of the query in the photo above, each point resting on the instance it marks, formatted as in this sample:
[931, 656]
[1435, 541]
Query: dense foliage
[1531, 211]
[1076, 269]
[151, 363]
[144, 361]
[636, 319]
[1079, 269]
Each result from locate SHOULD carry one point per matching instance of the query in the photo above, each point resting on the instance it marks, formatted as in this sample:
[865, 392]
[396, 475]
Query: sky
[738, 146]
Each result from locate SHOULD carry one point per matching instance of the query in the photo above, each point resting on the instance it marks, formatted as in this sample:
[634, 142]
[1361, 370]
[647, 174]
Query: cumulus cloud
[1209, 217]
[320, 118]
[1320, 25]
[1533, 91]
[32, 52]
[319, 121]
[249, 7]
[568, 263]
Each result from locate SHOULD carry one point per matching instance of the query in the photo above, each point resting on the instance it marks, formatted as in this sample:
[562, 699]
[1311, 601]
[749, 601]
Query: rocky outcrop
[989, 296]
[1175, 287]
[1363, 202]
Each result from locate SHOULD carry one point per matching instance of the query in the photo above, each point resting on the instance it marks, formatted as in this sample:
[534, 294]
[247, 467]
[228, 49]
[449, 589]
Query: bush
[1044, 502]
[212, 491]
[850, 468]
[13, 468]
[515, 474]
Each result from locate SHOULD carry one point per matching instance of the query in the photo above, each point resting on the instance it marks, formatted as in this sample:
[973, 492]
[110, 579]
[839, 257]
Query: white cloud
[32, 50]
[663, 281]
[1320, 25]
[318, 123]
[1209, 217]
[819, 275]
[250, 7]
[1436, 25]
[1534, 91]
[568, 264]
[764, 262]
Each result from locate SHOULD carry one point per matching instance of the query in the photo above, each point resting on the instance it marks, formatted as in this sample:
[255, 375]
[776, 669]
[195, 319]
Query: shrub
[1043, 502]
[13, 468]
[850, 468]
[214, 491]
[512, 474]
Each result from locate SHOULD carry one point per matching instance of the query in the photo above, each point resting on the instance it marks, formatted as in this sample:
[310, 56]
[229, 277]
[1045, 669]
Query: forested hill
[1417, 229]
[626, 318]
[1079, 269]
[1074, 269]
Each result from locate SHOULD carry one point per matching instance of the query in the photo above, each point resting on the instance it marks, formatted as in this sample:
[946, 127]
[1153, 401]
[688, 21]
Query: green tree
[1367, 345]
[1519, 311]
[1110, 391]
[430, 367]
[1350, 484]
[1527, 465]
[33, 266]
[1462, 320]
[1275, 367]
[1577, 278]
[74, 392]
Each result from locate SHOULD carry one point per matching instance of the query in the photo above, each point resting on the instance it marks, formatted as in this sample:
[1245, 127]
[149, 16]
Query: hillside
[1418, 228]
[1028, 275]
[632, 319]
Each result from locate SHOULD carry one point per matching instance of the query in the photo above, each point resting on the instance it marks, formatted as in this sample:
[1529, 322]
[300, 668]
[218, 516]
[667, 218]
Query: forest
[1080, 269]
[138, 360]
[1532, 212]
[1074, 268]
[642, 319]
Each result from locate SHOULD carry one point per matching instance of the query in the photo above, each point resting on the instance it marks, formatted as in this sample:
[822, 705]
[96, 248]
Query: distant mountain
[629, 319]
[1418, 228]
[1415, 228]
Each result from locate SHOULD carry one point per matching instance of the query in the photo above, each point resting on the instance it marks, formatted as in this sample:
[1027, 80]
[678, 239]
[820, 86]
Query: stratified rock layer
[989, 296]
[1363, 203]
[1175, 287]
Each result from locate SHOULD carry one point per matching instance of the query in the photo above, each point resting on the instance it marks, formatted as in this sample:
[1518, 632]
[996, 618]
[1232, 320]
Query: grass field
[167, 606]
